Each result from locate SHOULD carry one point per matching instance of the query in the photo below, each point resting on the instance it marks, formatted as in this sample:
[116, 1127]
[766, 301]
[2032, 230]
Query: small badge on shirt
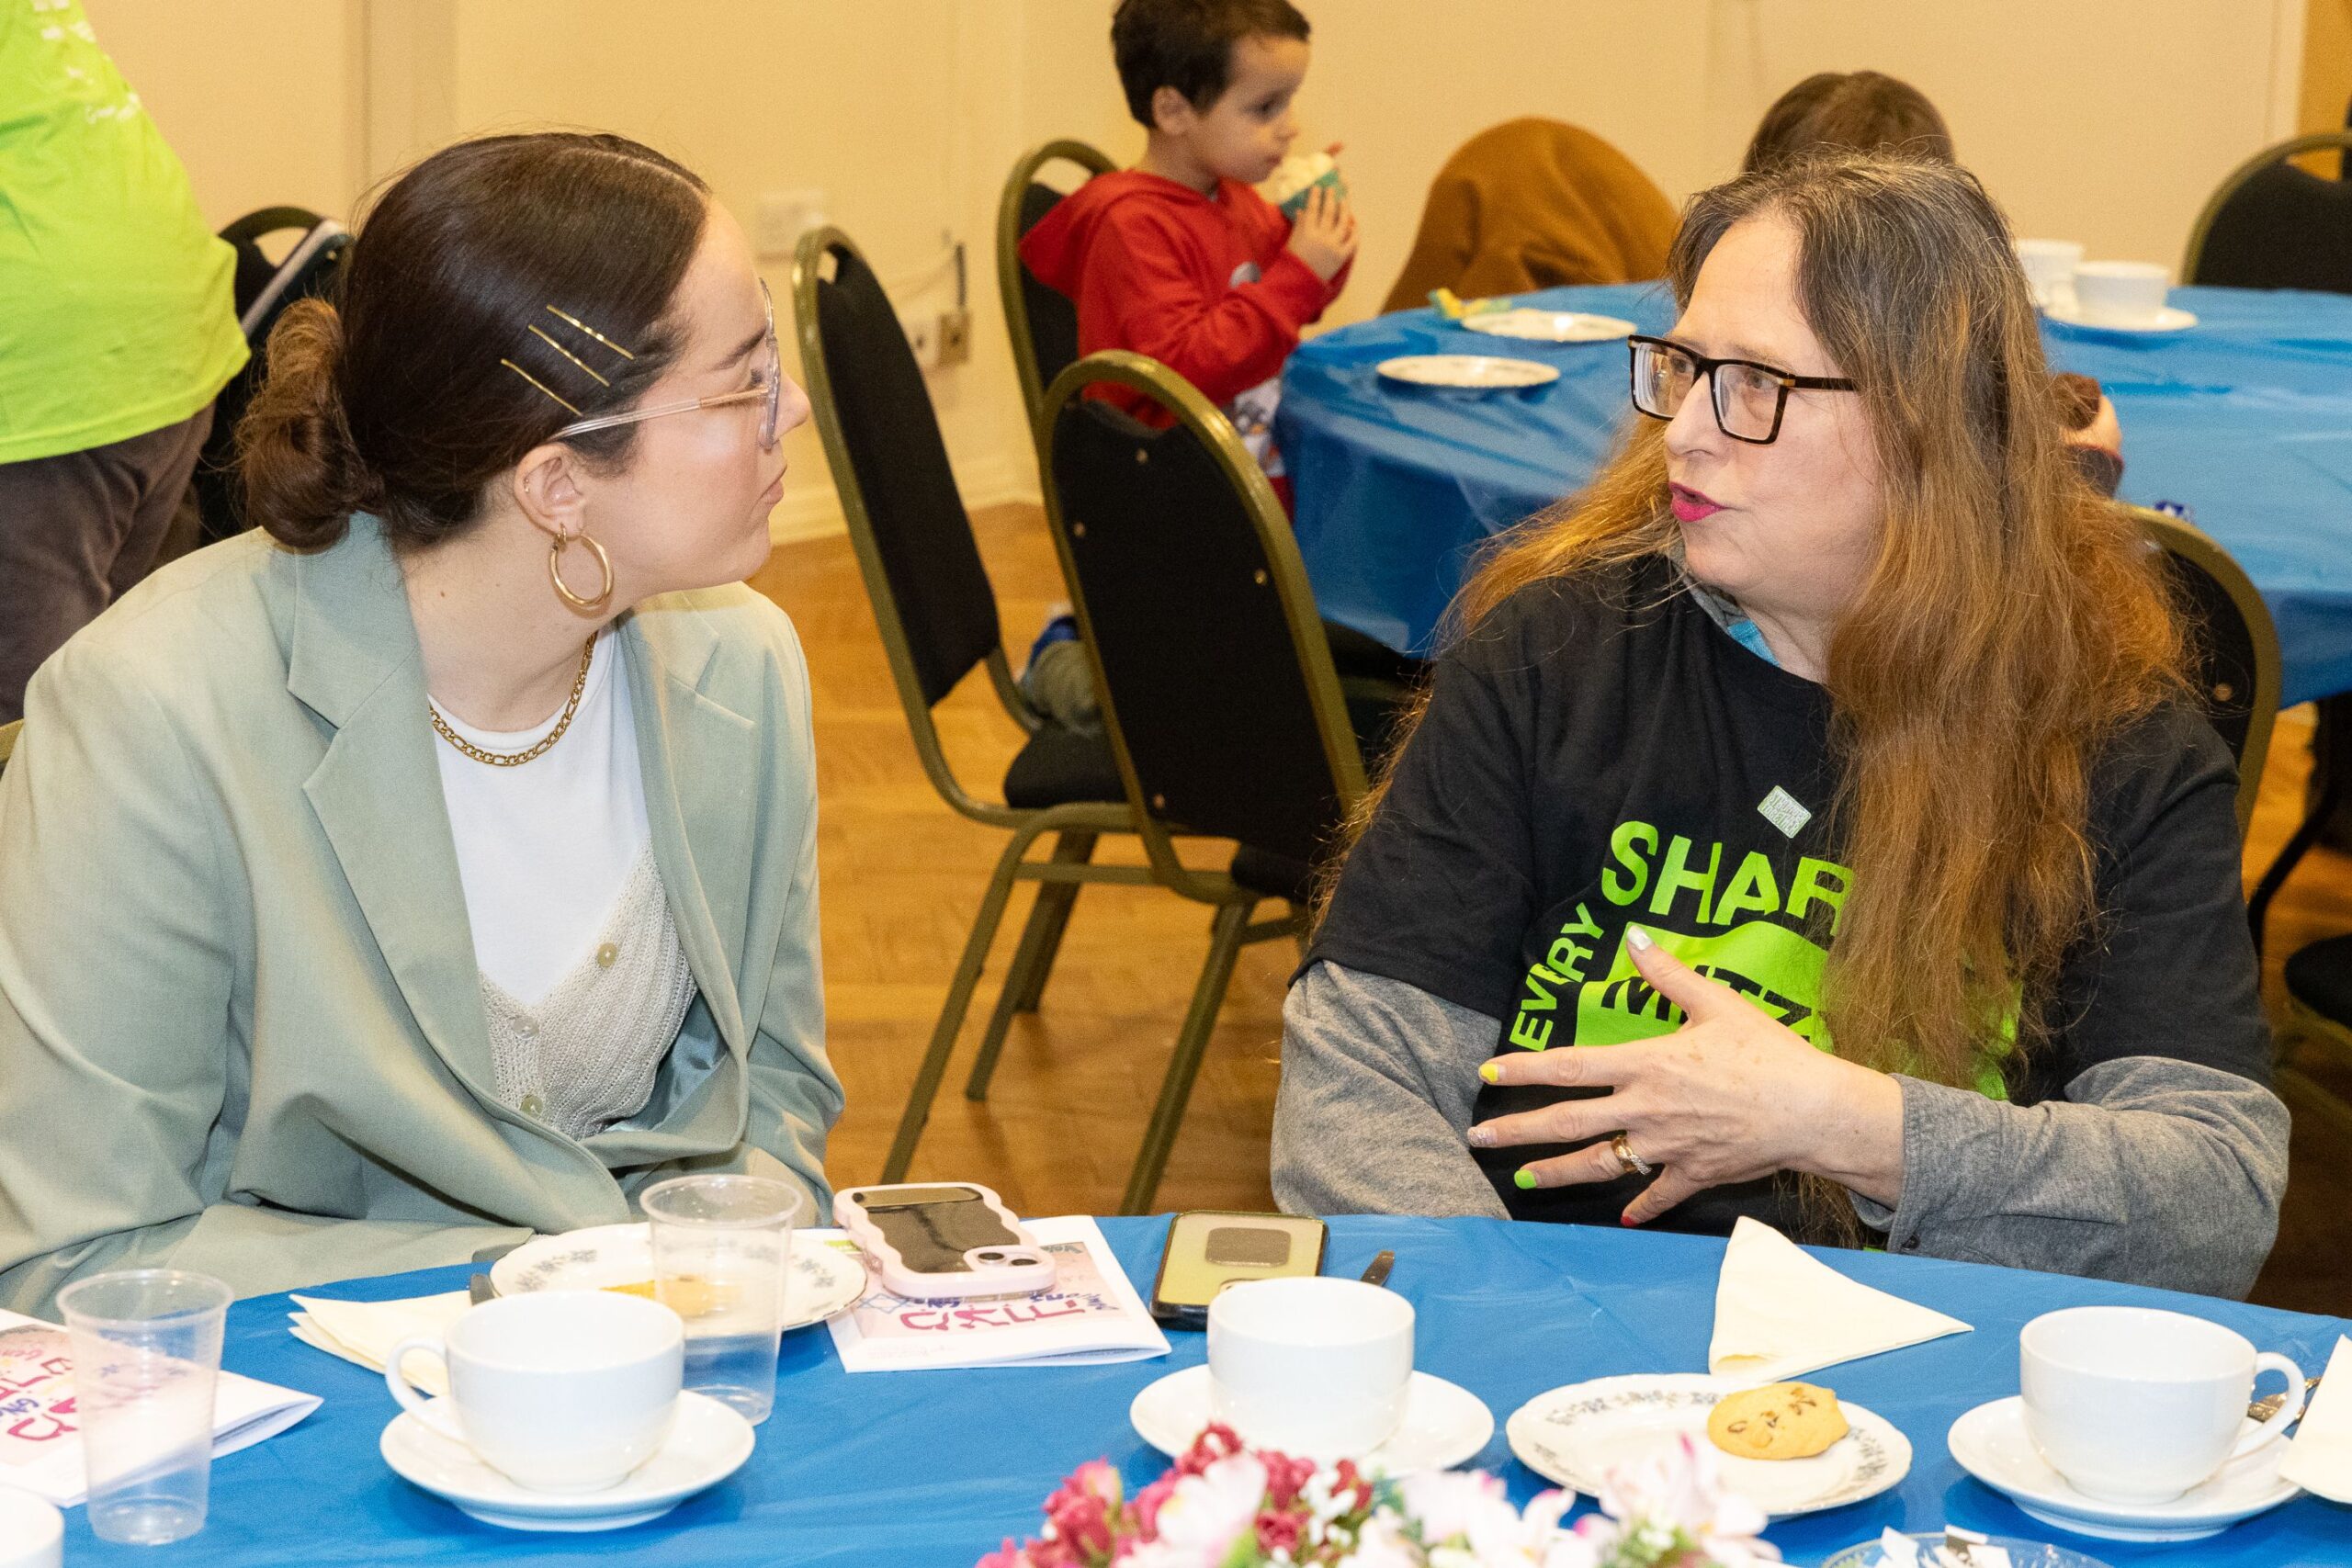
[1781, 809]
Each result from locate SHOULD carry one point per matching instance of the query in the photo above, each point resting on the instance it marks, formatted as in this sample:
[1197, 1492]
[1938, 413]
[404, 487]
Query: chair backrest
[261, 291]
[2271, 225]
[933, 601]
[2236, 661]
[1218, 692]
[1043, 321]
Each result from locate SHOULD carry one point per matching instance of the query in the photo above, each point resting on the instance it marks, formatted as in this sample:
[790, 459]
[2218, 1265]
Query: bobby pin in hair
[542, 385]
[568, 354]
[576, 323]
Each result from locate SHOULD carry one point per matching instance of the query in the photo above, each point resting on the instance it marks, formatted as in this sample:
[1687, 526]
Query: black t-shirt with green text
[1600, 752]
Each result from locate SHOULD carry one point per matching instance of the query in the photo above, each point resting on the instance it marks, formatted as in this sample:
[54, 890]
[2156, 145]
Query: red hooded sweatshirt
[1206, 285]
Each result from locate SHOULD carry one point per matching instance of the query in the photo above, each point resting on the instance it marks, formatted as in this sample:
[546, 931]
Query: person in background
[1179, 258]
[116, 333]
[434, 863]
[1865, 111]
[1811, 820]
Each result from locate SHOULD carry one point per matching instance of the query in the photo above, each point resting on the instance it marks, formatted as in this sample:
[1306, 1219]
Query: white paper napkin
[1779, 1312]
[364, 1332]
[2320, 1459]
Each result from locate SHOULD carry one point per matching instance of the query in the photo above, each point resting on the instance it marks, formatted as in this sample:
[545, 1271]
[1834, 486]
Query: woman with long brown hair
[435, 864]
[1828, 762]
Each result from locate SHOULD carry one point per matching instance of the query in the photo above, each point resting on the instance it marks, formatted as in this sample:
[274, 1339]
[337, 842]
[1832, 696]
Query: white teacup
[2134, 1405]
[2121, 293]
[1310, 1366]
[560, 1391]
[2050, 269]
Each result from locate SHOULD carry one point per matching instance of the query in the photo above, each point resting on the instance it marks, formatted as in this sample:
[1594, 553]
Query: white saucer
[1481, 372]
[1990, 1443]
[708, 1445]
[1575, 1435]
[1548, 326]
[2168, 319]
[1444, 1424]
[824, 1278]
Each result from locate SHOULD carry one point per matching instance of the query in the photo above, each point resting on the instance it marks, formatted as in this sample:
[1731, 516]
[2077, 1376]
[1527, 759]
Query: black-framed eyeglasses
[1749, 398]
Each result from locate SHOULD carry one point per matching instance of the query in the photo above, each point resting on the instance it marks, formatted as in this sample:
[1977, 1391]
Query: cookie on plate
[1781, 1420]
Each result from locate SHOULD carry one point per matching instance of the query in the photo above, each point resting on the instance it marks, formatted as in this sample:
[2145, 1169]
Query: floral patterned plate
[825, 1277]
[1575, 1435]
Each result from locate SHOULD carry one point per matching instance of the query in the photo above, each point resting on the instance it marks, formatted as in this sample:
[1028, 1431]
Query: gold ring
[1628, 1161]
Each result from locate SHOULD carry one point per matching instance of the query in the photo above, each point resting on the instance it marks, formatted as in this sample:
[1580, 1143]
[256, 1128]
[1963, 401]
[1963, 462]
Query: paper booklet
[40, 1443]
[1092, 1314]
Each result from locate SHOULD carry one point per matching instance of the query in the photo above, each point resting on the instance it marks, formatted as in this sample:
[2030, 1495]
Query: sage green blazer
[240, 1024]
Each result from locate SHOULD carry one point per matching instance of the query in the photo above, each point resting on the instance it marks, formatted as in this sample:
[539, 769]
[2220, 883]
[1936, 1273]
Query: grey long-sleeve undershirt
[2152, 1170]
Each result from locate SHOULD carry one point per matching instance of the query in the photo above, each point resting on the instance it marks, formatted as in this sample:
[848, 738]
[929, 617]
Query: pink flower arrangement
[1225, 1506]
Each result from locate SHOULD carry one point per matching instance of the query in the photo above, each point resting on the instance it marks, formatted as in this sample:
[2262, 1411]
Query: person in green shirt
[117, 331]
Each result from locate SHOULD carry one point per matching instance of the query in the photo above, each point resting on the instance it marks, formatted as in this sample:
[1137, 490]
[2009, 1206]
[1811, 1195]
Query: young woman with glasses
[437, 863]
[1809, 821]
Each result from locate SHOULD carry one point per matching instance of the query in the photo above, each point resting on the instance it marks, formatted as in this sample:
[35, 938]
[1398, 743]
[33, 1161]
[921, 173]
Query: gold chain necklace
[539, 748]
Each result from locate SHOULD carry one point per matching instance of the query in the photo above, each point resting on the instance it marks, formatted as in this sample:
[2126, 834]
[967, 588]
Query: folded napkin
[2320, 1459]
[364, 1332]
[1781, 1312]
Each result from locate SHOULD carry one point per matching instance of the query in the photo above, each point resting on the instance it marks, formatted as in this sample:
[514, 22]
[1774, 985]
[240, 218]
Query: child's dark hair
[1858, 111]
[1187, 45]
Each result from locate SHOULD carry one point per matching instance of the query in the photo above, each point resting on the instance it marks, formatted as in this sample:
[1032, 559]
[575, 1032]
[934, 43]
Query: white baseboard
[814, 511]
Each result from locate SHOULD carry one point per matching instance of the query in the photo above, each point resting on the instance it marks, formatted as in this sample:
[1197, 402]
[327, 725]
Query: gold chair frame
[1062, 149]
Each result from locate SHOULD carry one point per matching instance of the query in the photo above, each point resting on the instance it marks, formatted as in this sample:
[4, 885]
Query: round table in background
[2245, 419]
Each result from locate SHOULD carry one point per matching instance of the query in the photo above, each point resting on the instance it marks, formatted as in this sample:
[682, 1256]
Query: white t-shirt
[545, 849]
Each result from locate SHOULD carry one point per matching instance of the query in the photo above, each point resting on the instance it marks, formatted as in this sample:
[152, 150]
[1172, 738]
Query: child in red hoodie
[1178, 258]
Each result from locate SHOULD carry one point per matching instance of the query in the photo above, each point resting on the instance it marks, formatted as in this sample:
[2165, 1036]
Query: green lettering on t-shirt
[1676, 875]
[1753, 886]
[1626, 889]
[1823, 880]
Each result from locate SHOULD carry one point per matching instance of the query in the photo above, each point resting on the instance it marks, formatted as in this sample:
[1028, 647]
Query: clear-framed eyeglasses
[768, 390]
[1749, 397]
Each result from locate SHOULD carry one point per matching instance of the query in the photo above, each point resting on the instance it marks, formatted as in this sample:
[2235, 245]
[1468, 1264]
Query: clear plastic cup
[146, 1345]
[720, 1246]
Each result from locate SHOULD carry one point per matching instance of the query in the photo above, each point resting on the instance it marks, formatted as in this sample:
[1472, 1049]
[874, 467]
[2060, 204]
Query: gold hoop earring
[603, 564]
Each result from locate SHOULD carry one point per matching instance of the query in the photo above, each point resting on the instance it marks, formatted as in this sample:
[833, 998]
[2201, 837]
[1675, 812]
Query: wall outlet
[783, 217]
[923, 336]
[954, 336]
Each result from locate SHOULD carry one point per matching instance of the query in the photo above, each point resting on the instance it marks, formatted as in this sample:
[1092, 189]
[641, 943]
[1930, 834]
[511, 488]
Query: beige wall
[907, 112]
[2327, 65]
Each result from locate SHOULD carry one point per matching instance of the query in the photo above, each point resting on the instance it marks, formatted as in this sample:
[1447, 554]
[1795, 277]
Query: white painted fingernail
[1638, 939]
[1481, 1138]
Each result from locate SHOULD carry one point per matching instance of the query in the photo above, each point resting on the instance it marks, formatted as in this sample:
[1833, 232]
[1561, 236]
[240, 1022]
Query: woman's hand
[1731, 1095]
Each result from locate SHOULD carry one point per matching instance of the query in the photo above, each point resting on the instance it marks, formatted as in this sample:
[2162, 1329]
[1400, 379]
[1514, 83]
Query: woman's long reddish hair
[2012, 623]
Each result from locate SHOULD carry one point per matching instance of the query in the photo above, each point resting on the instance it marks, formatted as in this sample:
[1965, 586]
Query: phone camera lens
[1027, 1262]
[991, 1257]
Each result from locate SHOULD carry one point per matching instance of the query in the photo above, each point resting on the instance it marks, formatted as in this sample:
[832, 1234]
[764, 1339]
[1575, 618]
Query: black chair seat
[1059, 766]
[2320, 977]
[1276, 876]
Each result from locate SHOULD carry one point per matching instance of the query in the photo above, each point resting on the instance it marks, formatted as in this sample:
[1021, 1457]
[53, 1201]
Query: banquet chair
[2234, 647]
[937, 613]
[2271, 225]
[261, 289]
[2318, 977]
[1043, 321]
[1219, 694]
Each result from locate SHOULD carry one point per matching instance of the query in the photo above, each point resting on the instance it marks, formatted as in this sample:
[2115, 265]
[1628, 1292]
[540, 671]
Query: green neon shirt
[115, 305]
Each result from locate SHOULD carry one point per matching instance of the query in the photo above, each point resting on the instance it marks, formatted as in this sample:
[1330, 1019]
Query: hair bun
[302, 475]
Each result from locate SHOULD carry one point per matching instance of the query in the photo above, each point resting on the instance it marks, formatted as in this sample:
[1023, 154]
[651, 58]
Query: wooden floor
[902, 875]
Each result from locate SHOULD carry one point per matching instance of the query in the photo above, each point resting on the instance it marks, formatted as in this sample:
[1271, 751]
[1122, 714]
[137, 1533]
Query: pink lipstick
[1689, 505]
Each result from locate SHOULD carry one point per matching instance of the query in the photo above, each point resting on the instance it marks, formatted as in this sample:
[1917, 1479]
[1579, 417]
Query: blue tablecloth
[929, 1470]
[2245, 419]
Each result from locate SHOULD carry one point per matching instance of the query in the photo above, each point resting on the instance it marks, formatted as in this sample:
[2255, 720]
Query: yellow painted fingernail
[1491, 1073]
[1523, 1179]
